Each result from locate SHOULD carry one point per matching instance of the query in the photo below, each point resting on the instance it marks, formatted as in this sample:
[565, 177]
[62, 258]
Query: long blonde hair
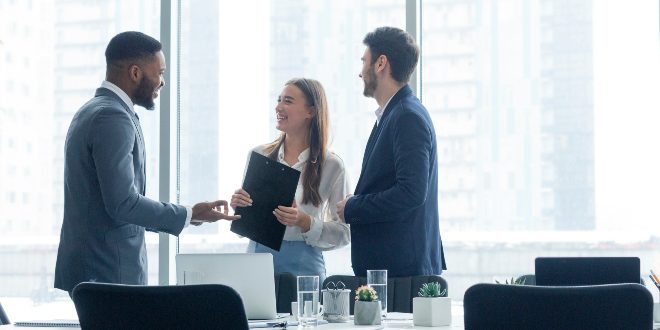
[318, 138]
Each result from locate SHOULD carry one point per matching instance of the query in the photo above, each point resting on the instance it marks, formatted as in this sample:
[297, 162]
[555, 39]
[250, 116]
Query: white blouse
[327, 230]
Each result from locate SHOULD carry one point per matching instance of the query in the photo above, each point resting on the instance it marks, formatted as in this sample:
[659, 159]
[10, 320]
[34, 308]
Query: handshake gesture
[207, 212]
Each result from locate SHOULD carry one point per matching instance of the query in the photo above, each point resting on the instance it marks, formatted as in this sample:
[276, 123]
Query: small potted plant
[517, 281]
[432, 308]
[367, 306]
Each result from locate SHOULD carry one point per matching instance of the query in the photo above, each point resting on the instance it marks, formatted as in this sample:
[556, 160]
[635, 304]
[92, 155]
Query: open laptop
[250, 274]
[558, 271]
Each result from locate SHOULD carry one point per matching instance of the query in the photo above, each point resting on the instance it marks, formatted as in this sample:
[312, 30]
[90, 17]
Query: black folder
[270, 184]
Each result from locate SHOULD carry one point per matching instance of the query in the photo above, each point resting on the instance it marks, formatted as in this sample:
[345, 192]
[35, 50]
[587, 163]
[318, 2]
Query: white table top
[396, 321]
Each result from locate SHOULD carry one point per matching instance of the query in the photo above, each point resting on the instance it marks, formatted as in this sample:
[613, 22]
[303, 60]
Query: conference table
[394, 321]
[387, 324]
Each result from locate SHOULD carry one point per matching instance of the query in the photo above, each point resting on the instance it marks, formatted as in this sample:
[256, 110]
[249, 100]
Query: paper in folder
[270, 184]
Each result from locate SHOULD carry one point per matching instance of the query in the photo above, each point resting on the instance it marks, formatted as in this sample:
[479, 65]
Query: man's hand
[341, 205]
[211, 212]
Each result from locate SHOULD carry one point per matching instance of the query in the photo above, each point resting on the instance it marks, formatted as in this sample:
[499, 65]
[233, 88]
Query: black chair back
[3, 317]
[117, 306]
[285, 291]
[613, 306]
[400, 290]
[586, 270]
[530, 279]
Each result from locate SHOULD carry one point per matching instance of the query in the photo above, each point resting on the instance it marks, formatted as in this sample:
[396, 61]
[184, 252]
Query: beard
[144, 94]
[370, 83]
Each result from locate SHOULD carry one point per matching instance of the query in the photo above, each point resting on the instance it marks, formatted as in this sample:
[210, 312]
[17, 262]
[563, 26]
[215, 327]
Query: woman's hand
[240, 198]
[291, 216]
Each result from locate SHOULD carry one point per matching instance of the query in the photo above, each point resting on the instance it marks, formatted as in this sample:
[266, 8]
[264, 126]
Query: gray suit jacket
[105, 210]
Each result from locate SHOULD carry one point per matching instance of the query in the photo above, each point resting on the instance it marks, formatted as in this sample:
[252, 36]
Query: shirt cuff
[346, 210]
[314, 232]
[188, 217]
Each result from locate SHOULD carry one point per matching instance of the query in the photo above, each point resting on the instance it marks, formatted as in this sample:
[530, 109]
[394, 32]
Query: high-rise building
[567, 113]
[509, 87]
[200, 108]
[26, 112]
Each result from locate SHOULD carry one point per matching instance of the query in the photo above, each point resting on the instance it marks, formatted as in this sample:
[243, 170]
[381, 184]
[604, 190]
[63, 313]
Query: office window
[546, 85]
[556, 95]
[231, 74]
[38, 103]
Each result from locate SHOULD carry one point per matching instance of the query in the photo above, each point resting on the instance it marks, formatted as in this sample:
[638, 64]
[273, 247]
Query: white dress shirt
[327, 230]
[127, 100]
[380, 110]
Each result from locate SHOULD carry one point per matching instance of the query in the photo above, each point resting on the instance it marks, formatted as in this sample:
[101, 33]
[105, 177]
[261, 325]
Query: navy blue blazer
[105, 210]
[394, 213]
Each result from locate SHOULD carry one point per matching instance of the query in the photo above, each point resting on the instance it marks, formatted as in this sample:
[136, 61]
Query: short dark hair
[131, 45]
[398, 46]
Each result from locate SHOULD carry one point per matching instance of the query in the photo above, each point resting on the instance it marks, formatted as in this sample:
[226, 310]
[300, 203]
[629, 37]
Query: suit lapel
[136, 123]
[378, 128]
[367, 153]
[138, 129]
[370, 144]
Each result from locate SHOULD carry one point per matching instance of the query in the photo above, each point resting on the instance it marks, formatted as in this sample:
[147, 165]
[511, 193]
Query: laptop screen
[250, 274]
[558, 271]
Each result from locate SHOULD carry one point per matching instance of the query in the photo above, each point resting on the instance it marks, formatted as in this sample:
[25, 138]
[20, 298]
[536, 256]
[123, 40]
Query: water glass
[308, 301]
[294, 310]
[377, 280]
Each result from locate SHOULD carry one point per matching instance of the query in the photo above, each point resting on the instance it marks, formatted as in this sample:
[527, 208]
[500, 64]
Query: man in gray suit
[105, 210]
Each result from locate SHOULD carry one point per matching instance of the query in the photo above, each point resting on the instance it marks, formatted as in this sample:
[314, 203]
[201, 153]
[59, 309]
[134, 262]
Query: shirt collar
[380, 110]
[301, 158]
[122, 95]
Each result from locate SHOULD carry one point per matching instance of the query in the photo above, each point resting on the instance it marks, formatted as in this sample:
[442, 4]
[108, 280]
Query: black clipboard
[270, 184]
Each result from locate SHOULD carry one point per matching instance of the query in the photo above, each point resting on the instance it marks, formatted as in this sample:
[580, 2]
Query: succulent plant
[431, 289]
[516, 281]
[365, 293]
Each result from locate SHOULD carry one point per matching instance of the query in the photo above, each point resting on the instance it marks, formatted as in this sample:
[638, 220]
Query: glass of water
[377, 280]
[308, 301]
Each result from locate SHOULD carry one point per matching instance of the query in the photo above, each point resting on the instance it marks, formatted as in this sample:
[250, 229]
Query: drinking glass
[308, 301]
[377, 280]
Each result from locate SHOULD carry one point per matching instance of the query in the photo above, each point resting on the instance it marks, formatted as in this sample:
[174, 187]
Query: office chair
[400, 290]
[612, 306]
[117, 306]
[552, 271]
[3, 317]
[530, 279]
[285, 291]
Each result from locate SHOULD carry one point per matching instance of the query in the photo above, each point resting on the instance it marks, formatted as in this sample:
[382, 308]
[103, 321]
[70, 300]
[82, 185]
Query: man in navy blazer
[105, 210]
[393, 214]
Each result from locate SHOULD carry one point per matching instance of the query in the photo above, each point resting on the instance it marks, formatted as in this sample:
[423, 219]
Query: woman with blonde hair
[312, 222]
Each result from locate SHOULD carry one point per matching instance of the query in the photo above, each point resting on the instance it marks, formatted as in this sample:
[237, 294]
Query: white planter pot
[367, 313]
[432, 312]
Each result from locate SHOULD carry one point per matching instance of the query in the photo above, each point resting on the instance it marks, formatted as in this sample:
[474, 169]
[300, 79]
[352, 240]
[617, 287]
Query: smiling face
[368, 74]
[293, 111]
[151, 81]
